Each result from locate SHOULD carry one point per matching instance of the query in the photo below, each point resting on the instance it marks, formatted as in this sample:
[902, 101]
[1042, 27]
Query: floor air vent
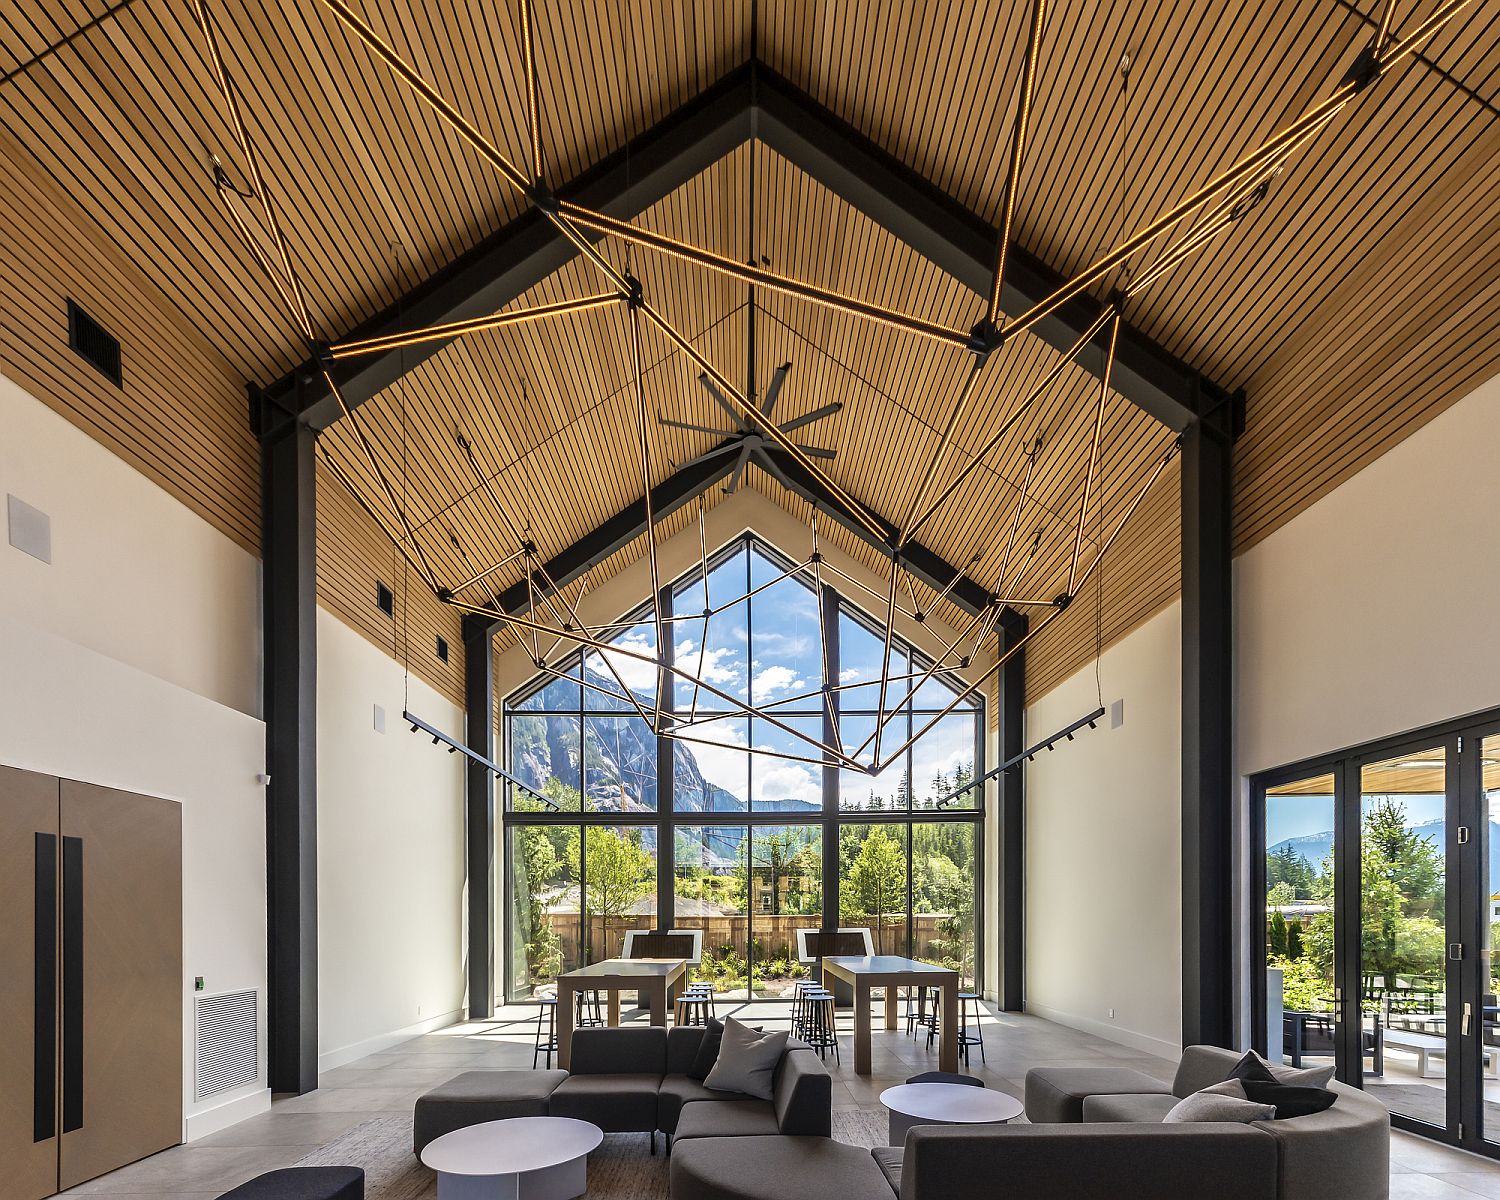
[227, 1053]
[94, 343]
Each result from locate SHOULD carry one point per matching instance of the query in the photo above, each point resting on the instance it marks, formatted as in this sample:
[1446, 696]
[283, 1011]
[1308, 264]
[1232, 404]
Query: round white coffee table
[945, 1104]
[524, 1158]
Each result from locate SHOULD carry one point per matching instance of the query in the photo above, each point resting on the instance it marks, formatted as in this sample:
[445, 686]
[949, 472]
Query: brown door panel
[122, 995]
[28, 983]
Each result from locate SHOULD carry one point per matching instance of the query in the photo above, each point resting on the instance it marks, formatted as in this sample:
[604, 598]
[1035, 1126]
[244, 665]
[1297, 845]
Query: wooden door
[28, 983]
[122, 993]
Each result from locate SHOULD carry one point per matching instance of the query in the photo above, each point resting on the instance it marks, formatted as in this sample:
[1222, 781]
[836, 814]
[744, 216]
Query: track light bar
[456, 747]
[1064, 734]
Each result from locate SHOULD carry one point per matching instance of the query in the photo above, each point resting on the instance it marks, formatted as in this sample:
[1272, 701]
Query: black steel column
[1012, 815]
[479, 812]
[1207, 728]
[289, 606]
[830, 773]
[666, 775]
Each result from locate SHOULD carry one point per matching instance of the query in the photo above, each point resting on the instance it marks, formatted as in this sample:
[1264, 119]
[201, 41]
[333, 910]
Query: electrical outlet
[1111, 1014]
[197, 983]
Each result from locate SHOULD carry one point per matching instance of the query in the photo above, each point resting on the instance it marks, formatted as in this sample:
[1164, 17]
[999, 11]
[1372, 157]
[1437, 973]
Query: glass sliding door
[1301, 816]
[1403, 933]
[1482, 1015]
[785, 895]
[709, 874]
[619, 886]
[541, 906]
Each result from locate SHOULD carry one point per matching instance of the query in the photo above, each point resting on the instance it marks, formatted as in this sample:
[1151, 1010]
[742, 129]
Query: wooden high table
[655, 978]
[892, 972]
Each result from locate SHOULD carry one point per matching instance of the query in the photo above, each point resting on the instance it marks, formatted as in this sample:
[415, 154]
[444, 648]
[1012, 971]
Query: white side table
[945, 1104]
[524, 1158]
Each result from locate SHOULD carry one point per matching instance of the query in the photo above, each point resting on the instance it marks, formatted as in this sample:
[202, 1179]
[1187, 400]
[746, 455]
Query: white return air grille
[227, 1054]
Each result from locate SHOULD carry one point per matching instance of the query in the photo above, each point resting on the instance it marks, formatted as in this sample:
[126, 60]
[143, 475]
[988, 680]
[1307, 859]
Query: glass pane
[942, 884]
[1489, 1002]
[619, 886]
[619, 764]
[711, 769]
[861, 651]
[942, 689]
[542, 906]
[942, 761]
[545, 754]
[709, 889]
[553, 694]
[605, 671]
[784, 784]
[785, 895]
[1299, 900]
[891, 789]
[872, 883]
[1403, 997]
[721, 656]
[786, 652]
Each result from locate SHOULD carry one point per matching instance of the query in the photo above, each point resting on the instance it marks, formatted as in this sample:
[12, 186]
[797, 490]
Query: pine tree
[1278, 935]
[1293, 940]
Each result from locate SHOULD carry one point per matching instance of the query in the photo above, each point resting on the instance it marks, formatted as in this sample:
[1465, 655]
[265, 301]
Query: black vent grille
[442, 648]
[95, 343]
[385, 599]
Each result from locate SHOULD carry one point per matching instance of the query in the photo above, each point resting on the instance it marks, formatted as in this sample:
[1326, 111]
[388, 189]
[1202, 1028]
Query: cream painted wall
[124, 553]
[390, 854]
[1374, 611]
[132, 661]
[1103, 839]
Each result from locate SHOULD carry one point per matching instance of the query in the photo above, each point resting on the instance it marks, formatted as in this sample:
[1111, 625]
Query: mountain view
[1313, 848]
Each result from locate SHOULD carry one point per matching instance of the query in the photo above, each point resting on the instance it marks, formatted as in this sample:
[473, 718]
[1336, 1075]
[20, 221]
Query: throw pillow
[1313, 1077]
[747, 1061]
[1252, 1066]
[1223, 1102]
[708, 1050]
[1289, 1100]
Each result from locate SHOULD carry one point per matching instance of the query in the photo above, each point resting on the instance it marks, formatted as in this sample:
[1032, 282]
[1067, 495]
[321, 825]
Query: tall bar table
[654, 978]
[892, 972]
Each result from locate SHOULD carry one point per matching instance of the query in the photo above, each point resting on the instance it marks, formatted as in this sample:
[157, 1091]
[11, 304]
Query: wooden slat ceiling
[1355, 304]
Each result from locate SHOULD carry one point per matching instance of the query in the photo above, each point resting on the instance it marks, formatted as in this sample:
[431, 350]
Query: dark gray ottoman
[774, 1168]
[303, 1183]
[478, 1096]
[1056, 1094]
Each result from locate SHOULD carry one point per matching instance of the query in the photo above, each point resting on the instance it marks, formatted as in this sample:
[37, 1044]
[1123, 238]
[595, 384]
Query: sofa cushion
[747, 1060]
[1201, 1067]
[303, 1183]
[478, 1096]
[1342, 1153]
[604, 1051]
[888, 1159]
[676, 1092]
[1288, 1099]
[682, 1047]
[802, 1093]
[727, 1118]
[708, 1050]
[774, 1168]
[1056, 1093]
[1219, 1102]
[1127, 1108]
[617, 1103]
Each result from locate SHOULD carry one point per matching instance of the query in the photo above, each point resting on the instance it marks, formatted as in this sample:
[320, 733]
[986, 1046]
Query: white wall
[132, 661]
[1374, 611]
[1103, 844]
[390, 854]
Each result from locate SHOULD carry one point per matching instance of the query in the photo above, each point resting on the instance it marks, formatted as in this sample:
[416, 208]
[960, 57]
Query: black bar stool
[966, 1038]
[545, 1005]
[692, 1008]
[820, 1028]
[586, 1012]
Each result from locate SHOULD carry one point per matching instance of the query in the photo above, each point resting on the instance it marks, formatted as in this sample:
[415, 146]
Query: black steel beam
[289, 607]
[963, 244]
[1207, 729]
[1012, 813]
[528, 249]
[479, 813]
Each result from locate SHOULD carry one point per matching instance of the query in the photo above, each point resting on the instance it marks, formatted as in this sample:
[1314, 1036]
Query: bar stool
[706, 991]
[801, 989]
[821, 1022]
[692, 1007]
[922, 1006]
[547, 1005]
[965, 1038]
[586, 1012]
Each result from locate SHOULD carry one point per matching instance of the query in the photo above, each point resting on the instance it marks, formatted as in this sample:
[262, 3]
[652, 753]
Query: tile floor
[389, 1082]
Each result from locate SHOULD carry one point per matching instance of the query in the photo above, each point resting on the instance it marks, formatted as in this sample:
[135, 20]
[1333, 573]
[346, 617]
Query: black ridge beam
[927, 565]
[962, 243]
[528, 249]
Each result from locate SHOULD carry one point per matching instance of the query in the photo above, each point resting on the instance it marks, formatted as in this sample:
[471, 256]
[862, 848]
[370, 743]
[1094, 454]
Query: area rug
[623, 1168]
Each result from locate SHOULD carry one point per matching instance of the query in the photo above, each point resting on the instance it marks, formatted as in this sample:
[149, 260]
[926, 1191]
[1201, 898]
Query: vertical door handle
[72, 984]
[1468, 1019]
[44, 993]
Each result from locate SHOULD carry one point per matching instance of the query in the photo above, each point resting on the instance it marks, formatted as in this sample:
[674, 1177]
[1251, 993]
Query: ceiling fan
[746, 441]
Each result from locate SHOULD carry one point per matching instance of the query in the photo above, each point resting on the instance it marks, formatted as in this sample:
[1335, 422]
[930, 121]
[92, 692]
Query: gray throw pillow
[1313, 1077]
[747, 1061]
[1222, 1102]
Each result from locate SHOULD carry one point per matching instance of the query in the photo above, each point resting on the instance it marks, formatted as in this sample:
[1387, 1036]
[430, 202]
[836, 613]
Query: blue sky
[1299, 816]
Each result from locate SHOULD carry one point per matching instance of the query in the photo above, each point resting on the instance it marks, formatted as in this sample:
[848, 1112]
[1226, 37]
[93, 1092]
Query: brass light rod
[488, 571]
[1015, 521]
[633, 315]
[688, 252]
[533, 106]
[453, 329]
[940, 455]
[1088, 479]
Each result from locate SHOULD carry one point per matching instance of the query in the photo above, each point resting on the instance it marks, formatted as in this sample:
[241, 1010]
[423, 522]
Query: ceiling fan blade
[817, 414]
[777, 379]
[723, 433]
[817, 452]
[712, 454]
[739, 469]
[713, 390]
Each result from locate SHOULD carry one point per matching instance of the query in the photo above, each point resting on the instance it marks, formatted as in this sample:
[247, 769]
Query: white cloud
[848, 674]
[780, 779]
[775, 682]
[721, 664]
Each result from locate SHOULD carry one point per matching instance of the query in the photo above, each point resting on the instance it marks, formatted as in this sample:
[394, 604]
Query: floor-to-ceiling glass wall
[721, 822]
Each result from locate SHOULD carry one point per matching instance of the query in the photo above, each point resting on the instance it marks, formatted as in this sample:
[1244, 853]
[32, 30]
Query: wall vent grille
[95, 344]
[227, 1042]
